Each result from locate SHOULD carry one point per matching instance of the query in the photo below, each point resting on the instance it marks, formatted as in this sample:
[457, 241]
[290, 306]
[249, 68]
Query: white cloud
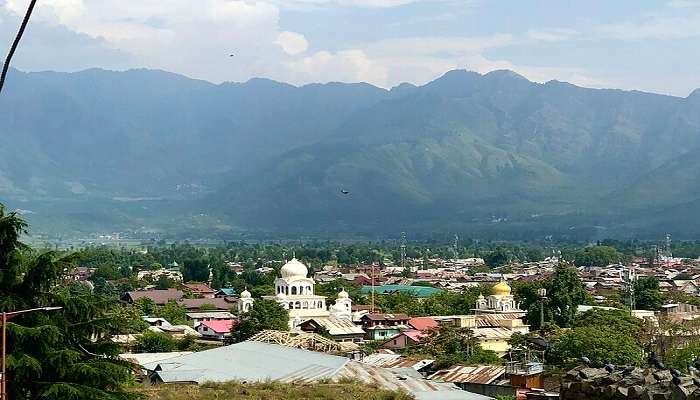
[552, 35]
[684, 3]
[292, 43]
[654, 28]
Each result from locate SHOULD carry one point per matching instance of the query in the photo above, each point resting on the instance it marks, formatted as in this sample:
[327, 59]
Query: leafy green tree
[534, 254]
[195, 269]
[647, 293]
[598, 256]
[619, 321]
[264, 314]
[596, 343]
[565, 293]
[165, 282]
[172, 312]
[451, 345]
[145, 306]
[601, 335]
[55, 355]
[129, 320]
[497, 257]
[154, 342]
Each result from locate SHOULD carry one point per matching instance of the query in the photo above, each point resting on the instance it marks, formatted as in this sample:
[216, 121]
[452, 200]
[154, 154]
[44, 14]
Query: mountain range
[494, 156]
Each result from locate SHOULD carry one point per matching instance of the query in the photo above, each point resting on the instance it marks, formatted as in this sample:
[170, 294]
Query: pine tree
[65, 354]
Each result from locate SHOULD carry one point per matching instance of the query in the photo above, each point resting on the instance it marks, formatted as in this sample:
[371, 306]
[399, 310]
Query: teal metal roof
[227, 291]
[418, 291]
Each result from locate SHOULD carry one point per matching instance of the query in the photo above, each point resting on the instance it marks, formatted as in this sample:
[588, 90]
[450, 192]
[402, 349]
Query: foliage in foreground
[272, 391]
[61, 354]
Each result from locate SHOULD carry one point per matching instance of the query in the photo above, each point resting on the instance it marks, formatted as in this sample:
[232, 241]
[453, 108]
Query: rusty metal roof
[398, 379]
[483, 374]
[395, 361]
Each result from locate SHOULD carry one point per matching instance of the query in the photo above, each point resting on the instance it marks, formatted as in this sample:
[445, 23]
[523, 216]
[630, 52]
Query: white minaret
[342, 309]
[245, 302]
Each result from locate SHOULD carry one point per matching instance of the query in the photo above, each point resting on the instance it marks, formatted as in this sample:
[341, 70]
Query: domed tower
[294, 290]
[342, 307]
[501, 300]
[245, 302]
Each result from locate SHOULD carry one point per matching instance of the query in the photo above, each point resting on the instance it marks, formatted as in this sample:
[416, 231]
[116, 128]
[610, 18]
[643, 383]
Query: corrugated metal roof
[256, 361]
[147, 358]
[249, 361]
[339, 326]
[395, 361]
[483, 374]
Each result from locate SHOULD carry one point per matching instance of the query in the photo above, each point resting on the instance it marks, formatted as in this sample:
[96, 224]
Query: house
[383, 326]
[422, 323]
[152, 321]
[159, 297]
[198, 317]
[340, 329]
[404, 339]
[201, 290]
[216, 303]
[217, 330]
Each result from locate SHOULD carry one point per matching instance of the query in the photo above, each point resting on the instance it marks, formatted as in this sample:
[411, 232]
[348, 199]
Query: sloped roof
[339, 326]
[159, 297]
[385, 360]
[198, 287]
[256, 361]
[483, 374]
[386, 317]
[249, 361]
[219, 325]
[221, 303]
[423, 323]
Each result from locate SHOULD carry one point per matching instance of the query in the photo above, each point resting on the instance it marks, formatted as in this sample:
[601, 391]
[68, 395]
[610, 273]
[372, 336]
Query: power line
[22, 27]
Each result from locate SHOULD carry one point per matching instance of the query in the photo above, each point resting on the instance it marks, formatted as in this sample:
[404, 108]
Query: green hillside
[156, 153]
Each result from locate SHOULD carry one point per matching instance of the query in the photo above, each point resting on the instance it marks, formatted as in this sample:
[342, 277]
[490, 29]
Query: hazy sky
[630, 44]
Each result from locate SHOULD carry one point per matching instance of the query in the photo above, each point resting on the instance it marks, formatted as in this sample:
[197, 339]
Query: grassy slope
[271, 391]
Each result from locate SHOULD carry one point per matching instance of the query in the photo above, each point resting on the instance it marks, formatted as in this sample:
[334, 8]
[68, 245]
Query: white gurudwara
[294, 291]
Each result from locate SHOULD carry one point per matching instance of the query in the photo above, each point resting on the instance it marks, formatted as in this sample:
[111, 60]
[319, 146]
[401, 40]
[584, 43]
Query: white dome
[343, 294]
[294, 269]
[245, 294]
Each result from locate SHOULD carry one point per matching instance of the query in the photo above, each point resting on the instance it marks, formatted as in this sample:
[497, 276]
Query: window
[294, 290]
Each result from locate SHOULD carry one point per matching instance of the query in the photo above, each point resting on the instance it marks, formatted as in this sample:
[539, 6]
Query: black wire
[25, 21]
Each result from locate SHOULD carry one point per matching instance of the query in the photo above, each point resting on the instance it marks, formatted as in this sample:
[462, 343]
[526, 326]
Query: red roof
[219, 326]
[199, 287]
[423, 323]
[412, 334]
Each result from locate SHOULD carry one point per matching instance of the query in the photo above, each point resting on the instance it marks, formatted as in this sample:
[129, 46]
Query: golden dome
[501, 289]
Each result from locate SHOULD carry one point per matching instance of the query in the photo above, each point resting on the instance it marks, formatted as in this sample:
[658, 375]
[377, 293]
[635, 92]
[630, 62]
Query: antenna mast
[403, 250]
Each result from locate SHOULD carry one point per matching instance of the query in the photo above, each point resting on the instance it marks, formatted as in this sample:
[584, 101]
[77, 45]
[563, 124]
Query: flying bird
[343, 191]
[231, 55]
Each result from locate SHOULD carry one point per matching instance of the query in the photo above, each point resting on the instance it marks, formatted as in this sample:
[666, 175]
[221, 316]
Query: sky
[629, 44]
